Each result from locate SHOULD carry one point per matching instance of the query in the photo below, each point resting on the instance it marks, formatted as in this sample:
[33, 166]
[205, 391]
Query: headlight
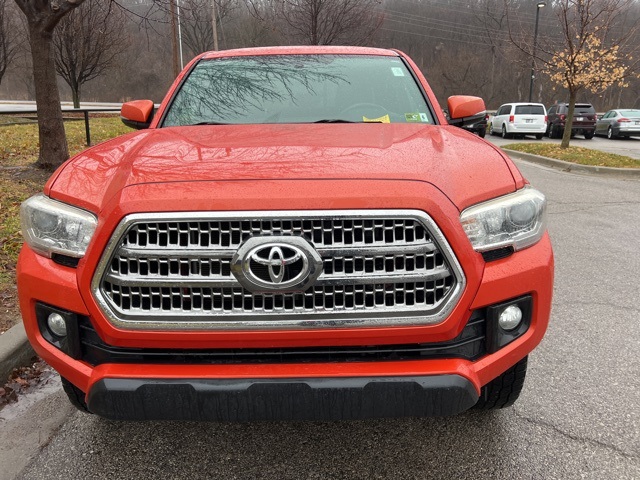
[517, 220]
[52, 227]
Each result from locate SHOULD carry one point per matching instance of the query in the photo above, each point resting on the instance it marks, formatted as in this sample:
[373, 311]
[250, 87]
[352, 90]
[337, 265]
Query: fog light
[510, 318]
[57, 324]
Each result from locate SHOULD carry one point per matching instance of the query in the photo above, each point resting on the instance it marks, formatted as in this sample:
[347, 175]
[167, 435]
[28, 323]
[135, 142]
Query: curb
[574, 167]
[15, 351]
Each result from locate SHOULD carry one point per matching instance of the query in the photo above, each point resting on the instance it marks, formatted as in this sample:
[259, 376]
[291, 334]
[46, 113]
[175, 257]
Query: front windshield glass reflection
[299, 89]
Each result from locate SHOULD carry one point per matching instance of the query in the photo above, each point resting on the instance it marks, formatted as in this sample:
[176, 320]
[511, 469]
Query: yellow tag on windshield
[384, 119]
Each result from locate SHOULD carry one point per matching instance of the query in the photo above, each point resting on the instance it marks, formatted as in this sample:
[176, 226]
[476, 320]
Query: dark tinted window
[299, 89]
[552, 110]
[585, 109]
[529, 110]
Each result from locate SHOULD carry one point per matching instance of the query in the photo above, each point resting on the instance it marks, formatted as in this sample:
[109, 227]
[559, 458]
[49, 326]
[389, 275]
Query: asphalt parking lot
[628, 147]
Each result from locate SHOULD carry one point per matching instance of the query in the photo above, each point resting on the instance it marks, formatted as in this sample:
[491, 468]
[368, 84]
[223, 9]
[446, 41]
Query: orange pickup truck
[295, 233]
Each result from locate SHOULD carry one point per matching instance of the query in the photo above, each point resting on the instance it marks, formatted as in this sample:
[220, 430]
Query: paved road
[629, 147]
[578, 417]
[14, 105]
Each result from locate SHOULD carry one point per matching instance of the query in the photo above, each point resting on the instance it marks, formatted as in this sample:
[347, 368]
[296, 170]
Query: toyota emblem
[276, 264]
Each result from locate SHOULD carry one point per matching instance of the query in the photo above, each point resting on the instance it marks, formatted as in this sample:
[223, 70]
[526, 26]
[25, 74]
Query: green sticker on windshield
[412, 117]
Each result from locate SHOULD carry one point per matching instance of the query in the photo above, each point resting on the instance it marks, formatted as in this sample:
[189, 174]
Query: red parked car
[295, 233]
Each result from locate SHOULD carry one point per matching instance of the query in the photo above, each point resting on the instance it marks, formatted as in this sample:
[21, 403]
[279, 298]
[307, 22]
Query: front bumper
[317, 399]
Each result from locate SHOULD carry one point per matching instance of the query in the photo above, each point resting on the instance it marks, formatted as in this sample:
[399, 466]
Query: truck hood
[464, 167]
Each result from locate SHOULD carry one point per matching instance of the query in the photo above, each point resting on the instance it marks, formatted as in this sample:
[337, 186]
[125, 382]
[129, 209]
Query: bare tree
[589, 53]
[322, 22]
[197, 26]
[589, 56]
[42, 18]
[8, 44]
[87, 42]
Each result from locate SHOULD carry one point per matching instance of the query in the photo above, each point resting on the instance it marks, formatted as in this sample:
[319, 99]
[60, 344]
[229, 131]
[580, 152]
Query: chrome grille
[172, 271]
[320, 232]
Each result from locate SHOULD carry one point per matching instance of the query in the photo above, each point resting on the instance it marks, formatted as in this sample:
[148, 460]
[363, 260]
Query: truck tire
[503, 391]
[76, 396]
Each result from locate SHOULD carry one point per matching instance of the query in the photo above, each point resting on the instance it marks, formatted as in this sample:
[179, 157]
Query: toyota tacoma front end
[296, 233]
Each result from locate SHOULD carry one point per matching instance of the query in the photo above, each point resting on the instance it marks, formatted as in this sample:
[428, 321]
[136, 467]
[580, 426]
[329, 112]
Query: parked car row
[519, 119]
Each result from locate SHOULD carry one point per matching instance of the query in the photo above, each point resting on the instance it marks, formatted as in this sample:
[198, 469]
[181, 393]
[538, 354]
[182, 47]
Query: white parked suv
[519, 119]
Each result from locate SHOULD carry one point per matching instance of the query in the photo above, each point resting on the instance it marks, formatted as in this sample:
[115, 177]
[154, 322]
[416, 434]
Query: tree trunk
[51, 132]
[75, 94]
[619, 97]
[566, 137]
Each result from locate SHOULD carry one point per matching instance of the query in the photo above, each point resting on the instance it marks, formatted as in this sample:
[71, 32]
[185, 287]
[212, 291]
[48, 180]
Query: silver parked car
[619, 123]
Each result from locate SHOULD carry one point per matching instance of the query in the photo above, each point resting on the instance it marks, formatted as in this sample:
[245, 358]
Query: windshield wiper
[327, 120]
[338, 120]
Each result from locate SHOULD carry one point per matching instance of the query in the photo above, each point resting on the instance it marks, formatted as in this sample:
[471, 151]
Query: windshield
[630, 113]
[299, 89]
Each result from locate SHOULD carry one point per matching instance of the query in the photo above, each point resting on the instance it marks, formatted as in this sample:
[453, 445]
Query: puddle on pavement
[48, 384]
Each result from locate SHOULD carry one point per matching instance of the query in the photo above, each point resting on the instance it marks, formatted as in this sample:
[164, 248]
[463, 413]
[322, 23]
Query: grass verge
[19, 180]
[582, 156]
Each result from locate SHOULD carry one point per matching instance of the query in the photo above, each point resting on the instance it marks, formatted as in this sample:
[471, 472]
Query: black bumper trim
[316, 399]
[469, 345]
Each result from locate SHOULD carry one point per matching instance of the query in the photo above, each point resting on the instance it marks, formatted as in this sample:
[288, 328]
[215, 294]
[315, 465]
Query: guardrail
[14, 110]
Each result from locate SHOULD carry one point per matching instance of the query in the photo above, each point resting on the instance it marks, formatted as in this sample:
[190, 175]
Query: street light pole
[214, 21]
[535, 41]
[174, 38]
[180, 35]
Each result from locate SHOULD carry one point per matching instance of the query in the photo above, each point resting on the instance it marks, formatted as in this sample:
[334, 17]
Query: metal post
[533, 57]
[174, 38]
[86, 127]
[180, 35]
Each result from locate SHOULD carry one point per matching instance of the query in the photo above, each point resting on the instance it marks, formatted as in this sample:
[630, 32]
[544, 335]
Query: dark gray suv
[584, 120]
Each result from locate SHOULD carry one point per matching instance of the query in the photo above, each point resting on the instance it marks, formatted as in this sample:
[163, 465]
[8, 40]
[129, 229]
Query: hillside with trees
[483, 47]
